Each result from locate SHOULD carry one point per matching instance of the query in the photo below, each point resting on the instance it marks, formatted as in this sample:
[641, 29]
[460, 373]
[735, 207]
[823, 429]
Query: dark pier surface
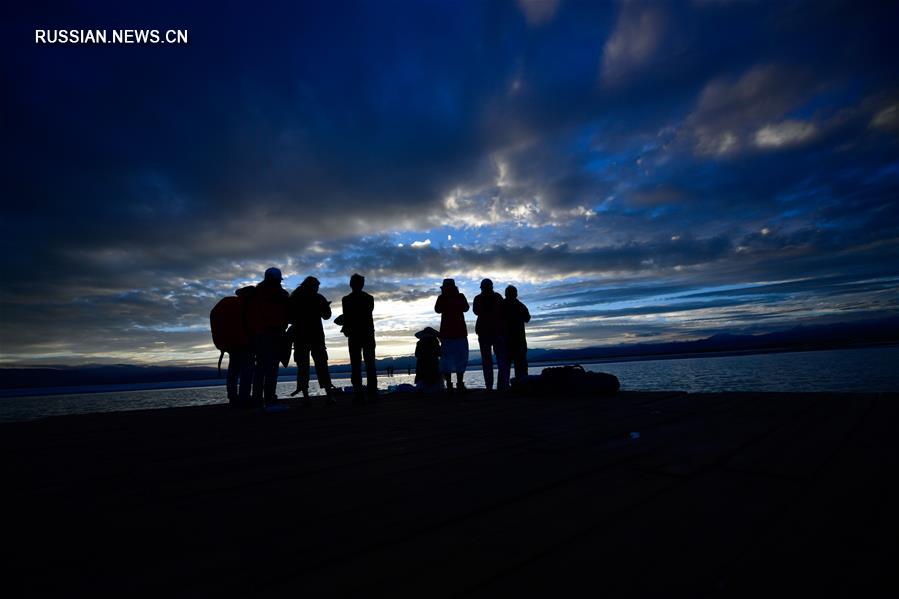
[637, 494]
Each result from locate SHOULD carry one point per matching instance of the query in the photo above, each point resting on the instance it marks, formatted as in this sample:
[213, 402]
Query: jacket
[491, 322]
[452, 308]
[267, 308]
[517, 315]
[306, 313]
[357, 310]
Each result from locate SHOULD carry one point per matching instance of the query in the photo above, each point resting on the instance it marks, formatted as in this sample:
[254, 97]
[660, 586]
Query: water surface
[846, 370]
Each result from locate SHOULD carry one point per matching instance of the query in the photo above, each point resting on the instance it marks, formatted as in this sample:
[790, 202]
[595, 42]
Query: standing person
[232, 335]
[516, 345]
[241, 361]
[307, 310]
[359, 327]
[491, 330]
[268, 318]
[452, 306]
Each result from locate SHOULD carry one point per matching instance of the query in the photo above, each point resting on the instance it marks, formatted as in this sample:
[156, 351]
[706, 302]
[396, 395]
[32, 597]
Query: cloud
[325, 145]
[786, 133]
[633, 42]
[887, 118]
[538, 12]
[729, 112]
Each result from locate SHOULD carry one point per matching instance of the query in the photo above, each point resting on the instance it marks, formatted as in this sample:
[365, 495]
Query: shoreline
[23, 392]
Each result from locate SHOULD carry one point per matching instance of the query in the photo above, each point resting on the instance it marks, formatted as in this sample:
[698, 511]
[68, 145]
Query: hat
[487, 283]
[274, 273]
[448, 283]
[427, 332]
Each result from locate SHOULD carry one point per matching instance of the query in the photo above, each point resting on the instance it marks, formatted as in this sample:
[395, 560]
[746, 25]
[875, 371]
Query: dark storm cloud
[677, 145]
[548, 261]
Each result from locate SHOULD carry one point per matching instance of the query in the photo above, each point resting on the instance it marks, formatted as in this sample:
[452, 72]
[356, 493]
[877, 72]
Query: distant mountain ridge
[803, 337]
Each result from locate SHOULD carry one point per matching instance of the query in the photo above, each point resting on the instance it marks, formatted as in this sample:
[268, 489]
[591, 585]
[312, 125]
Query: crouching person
[427, 361]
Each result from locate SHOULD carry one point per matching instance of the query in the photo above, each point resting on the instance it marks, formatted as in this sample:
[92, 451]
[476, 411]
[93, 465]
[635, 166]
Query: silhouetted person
[452, 306]
[491, 330]
[241, 361]
[359, 327]
[307, 310]
[516, 345]
[268, 319]
[427, 361]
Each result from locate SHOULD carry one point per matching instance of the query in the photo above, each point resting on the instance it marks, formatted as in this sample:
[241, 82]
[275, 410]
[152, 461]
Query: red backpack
[229, 326]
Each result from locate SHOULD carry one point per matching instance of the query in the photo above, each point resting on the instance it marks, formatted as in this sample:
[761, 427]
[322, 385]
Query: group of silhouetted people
[500, 330]
[276, 321]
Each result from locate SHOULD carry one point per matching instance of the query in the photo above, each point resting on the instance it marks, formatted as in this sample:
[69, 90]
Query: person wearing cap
[359, 328]
[517, 315]
[307, 310]
[267, 316]
[452, 306]
[491, 330]
[427, 361]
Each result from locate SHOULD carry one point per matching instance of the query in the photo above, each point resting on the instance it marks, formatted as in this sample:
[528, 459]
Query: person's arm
[464, 303]
[438, 307]
[325, 307]
[477, 305]
[291, 311]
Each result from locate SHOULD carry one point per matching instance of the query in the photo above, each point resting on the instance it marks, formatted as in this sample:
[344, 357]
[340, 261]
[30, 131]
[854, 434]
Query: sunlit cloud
[787, 133]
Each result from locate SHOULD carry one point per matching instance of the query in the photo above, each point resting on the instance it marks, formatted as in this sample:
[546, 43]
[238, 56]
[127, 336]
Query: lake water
[847, 370]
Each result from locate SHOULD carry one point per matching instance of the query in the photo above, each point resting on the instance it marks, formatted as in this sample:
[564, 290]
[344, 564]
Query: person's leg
[502, 364]
[270, 390]
[521, 365]
[486, 362]
[355, 348]
[245, 385]
[515, 362]
[301, 355]
[234, 358]
[320, 355]
[258, 368]
[368, 354]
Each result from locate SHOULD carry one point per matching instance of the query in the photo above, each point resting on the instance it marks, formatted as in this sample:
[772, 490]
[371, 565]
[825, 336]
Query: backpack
[229, 328]
[568, 379]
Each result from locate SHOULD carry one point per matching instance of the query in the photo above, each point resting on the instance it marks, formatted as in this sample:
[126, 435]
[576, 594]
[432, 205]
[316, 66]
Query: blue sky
[641, 171]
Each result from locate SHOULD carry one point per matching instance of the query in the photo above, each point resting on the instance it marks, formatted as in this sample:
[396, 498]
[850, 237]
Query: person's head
[486, 285]
[357, 282]
[310, 285]
[511, 292]
[448, 286]
[273, 275]
[427, 332]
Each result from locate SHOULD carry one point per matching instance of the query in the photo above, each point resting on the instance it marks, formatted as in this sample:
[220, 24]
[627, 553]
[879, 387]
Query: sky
[641, 171]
